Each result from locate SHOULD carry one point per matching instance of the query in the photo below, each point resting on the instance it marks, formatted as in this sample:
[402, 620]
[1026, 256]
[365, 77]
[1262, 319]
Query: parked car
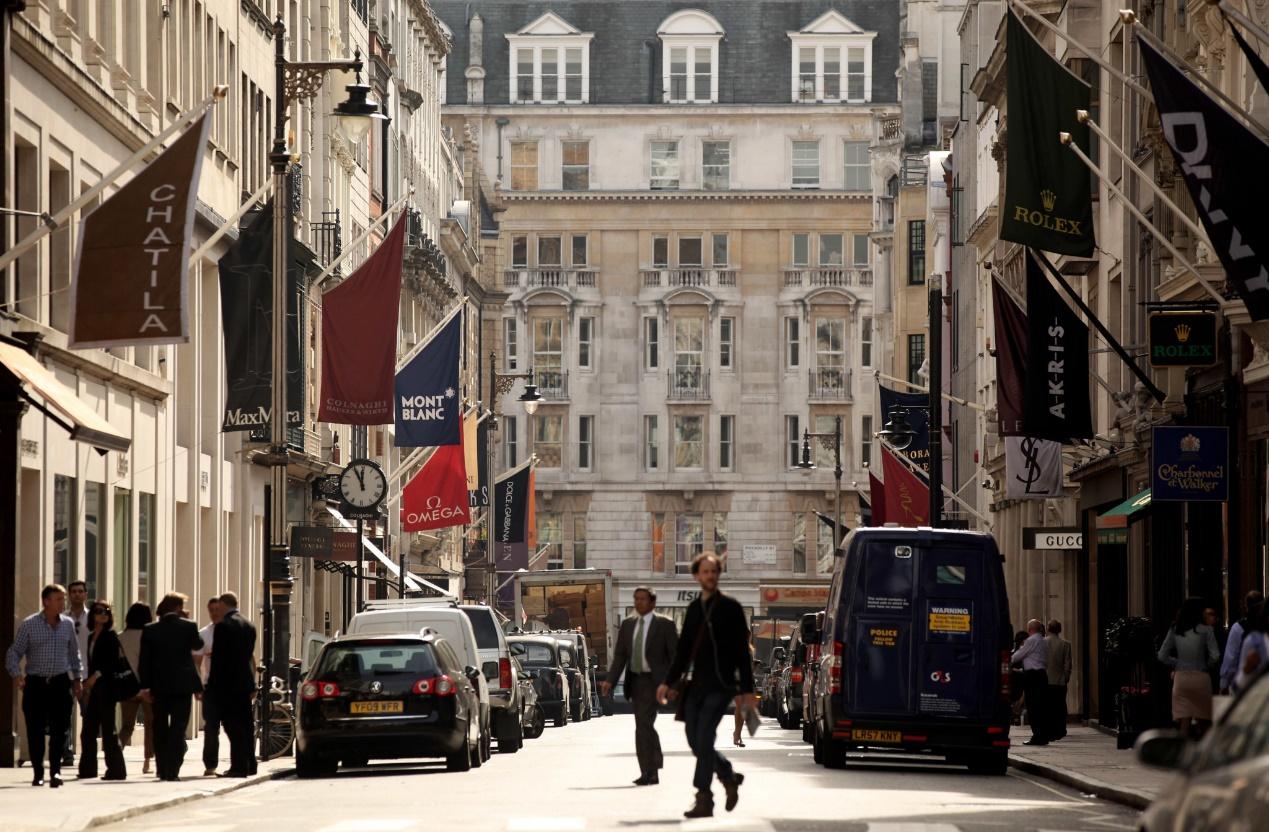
[788, 686]
[915, 649]
[532, 717]
[505, 707]
[576, 673]
[387, 696]
[775, 666]
[542, 656]
[442, 617]
[1222, 781]
[811, 625]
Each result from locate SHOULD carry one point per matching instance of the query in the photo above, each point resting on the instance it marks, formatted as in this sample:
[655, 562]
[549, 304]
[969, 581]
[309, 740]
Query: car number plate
[377, 707]
[868, 735]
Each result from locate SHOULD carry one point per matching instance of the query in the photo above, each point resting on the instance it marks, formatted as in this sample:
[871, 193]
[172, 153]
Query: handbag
[124, 684]
[680, 687]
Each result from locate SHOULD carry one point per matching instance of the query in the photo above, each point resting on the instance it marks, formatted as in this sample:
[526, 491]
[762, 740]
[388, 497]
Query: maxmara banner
[1189, 464]
[429, 409]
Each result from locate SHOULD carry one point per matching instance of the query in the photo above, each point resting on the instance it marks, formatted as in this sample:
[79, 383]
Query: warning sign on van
[944, 619]
[883, 636]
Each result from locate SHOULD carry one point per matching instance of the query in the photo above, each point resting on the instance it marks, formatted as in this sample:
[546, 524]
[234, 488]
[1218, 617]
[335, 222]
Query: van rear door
[955, 631]
[879, 614]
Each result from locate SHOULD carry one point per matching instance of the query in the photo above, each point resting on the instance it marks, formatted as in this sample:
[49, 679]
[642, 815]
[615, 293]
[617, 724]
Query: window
[65, 511]
[824, 548]
[857, 167]
[549, 74]
[726, 343]
[665, 166]
[574, 75]
[513, 452]
[678, 74]
[585, 441]
[146, 547]
[524, 75]
[658, 542]
[720, 538]
[793, 435]
[726, 442]
[831, 250]
[817, 69]
[549, 253]
[865, 340]
[689, 442]
[651, 444]
[799, 543]
[806, 164]
[550, 78]
[801, 249]
[548, 439]
[857, 72]
[831, 71]
[576, 170]
[807, 75]
[929, 102]
[689, 541]
[548, 353]
[830, 353]
[121, 584]
[520, 252]
[916, 252]
[865, 441]
[94, 539]
[689, 352]
[721, 251]
[715, 166]
[585, 334]
[689, 77]
[579, 541]
[651, 344]
[792, 343]
[825, 458]
[581, 251]
[550, 538]
[511, 343]
[660, 252]
[859, 250]
[690, 252]
[524, 166]
[916, 357]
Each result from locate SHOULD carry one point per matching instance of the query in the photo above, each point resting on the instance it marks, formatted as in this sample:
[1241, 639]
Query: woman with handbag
[139, 615]
[107, 670]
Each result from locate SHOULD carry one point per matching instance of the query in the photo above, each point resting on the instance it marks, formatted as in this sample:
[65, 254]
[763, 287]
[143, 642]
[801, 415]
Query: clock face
[363, 485]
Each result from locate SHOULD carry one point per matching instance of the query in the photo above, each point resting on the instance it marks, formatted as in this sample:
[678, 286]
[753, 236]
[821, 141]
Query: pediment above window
[832, 22]
[551, 25]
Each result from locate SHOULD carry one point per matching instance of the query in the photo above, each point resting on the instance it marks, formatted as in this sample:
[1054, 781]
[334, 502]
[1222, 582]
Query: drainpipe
[502, 122]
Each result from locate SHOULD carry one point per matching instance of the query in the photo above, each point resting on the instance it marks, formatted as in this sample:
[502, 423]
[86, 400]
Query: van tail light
[434, 686]
[795, 676]
[1005, 657]
[504, 674]
[835, 668]
[319, 690]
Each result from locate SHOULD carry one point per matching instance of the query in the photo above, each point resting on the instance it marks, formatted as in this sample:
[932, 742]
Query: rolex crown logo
[1182, 332]
[1048, 199]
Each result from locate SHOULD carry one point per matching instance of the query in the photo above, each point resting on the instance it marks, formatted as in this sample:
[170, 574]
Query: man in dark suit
[169, 680]
[232, 683]
[645, 649]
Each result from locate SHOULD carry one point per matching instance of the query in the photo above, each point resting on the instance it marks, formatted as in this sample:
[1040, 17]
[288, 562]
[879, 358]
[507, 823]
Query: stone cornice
[687, 196]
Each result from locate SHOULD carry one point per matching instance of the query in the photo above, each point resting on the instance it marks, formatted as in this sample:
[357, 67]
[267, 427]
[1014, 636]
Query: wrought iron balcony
[552, 384]
[688, 384]
[830, 383]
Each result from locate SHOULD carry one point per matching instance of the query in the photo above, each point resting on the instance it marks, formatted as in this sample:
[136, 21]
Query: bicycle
[281, 721]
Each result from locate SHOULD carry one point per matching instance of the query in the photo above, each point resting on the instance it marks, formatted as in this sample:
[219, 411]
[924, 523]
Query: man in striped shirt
[52, 674]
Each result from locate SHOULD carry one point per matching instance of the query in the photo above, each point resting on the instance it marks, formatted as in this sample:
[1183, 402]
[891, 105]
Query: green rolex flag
[1048, 192]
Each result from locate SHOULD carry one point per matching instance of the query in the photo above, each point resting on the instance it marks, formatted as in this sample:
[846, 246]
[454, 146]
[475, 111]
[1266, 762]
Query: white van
[446, 620]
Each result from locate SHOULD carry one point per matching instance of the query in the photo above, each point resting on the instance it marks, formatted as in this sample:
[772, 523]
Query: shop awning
[60, 403]
[1112, 526]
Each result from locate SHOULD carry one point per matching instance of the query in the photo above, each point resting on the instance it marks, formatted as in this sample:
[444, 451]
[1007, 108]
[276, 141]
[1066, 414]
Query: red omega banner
[437, 496]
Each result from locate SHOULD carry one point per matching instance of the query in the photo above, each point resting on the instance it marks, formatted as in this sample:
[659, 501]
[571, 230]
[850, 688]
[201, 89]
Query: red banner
[877, 496]
[907, 497]
[437, 496]
[359, 339]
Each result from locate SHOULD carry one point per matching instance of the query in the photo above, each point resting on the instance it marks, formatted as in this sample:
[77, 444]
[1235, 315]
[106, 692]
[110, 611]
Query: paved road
[578, 778]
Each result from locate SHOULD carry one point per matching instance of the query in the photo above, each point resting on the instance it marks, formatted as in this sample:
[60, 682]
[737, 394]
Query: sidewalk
[82, 804]
[1086, 759]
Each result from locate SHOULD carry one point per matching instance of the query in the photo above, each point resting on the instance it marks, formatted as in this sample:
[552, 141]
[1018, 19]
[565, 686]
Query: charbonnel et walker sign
[1190, 464]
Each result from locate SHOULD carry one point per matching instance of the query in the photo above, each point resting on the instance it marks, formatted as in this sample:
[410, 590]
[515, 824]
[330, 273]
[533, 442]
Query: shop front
[673, 596]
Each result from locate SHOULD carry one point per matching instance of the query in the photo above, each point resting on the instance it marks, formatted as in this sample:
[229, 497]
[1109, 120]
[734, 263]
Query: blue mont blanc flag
[427, 402]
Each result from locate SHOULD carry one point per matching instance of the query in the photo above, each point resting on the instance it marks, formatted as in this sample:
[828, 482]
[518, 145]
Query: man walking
[1058, 668]
[232, 683]
[1033, 656]
[645, 648]
[1252, 604]
[77, 596]
[169, 680]
[52, 674]
[715, 645]
[212, 718]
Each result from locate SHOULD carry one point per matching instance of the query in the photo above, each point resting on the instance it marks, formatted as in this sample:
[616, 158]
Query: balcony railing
[691, 276]
[553, 276]
[552, 384]
[328, 237]
[688, 384]
[830, 383]
[827, 276]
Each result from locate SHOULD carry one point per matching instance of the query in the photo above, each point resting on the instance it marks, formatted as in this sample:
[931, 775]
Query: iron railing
[552, 384]
[687, 384]
[830, 383]
[328, 242]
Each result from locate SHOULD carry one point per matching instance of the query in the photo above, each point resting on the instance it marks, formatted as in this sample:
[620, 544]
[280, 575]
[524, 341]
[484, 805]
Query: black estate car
[543, 657]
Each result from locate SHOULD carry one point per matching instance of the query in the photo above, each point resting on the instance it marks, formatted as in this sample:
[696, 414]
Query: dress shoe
[648, 780]
[1034, 741]
[702, 808]
[115, 777]
[732, 787]
[210, 772]
[233, 773]
[55, 781]
[37, 780]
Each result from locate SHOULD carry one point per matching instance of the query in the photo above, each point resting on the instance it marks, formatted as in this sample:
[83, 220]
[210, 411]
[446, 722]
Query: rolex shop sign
[1182, 339]
[1190, 464]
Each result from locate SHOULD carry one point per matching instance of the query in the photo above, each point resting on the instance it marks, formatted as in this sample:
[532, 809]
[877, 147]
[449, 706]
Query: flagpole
[1081, 48]
[948, 492]
[1245, 21]
[916, 388]
[361, 238]
[426, 339]
[1129, 19]
[229, 223]
[1141, 218]
[48, 226]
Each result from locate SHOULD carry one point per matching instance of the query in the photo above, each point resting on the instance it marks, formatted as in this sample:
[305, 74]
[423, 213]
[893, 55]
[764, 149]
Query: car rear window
[532, 654]
[363, 660]
[482, 621]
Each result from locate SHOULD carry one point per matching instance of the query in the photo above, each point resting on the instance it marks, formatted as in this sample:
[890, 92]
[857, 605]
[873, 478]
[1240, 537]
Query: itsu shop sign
[1190, 464]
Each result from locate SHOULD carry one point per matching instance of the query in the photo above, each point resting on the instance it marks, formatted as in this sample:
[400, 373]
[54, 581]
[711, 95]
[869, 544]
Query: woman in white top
[1190, 650]
[139, 615]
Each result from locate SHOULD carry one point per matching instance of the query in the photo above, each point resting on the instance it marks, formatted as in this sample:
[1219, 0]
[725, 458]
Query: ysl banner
[1033, 468]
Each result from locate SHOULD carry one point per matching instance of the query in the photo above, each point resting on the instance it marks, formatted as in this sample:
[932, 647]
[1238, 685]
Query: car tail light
[504, 674]
[795, 676]
[319, 690]
[1005, 657]
[434, 686]
[835, 668]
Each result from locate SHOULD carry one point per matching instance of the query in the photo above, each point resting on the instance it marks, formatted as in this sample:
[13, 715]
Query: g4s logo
[941, 676]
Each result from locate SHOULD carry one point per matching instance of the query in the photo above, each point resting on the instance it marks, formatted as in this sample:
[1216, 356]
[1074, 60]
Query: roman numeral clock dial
[363, 484]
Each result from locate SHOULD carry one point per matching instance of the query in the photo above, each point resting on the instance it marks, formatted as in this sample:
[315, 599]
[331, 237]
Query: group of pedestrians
[1045, 660]
[59, 657]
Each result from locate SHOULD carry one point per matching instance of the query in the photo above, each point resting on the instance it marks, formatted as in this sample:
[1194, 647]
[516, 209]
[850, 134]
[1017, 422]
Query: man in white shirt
[211, 713]
[1033, 655]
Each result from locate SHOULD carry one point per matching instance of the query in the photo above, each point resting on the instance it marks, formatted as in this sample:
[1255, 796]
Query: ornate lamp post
[827, 440]
[500, 384]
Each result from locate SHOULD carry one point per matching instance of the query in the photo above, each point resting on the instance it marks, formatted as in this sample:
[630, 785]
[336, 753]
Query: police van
[914, 649]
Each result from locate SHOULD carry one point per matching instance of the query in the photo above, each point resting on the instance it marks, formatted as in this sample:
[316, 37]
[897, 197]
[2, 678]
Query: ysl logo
[1031, 474]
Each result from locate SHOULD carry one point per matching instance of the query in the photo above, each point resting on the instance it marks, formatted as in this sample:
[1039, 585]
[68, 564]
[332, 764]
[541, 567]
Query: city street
[577, 778]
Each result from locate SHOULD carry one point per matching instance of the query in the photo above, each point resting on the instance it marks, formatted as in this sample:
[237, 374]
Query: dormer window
[550, 63]
[690, 41]
[832, 61]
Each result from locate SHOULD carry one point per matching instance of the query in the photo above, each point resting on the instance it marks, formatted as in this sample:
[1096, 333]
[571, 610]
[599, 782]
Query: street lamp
[897, 432]
[828, 439]
[500, 384]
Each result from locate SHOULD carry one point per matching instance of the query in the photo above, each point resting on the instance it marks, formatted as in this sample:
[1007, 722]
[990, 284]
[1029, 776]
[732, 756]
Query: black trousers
[46, 707]
[702, 712]
[171, 719]
[213, 718]
[1035, 683]
[99, 718]
[1057, 710]
[238, 717]
[642, 692]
